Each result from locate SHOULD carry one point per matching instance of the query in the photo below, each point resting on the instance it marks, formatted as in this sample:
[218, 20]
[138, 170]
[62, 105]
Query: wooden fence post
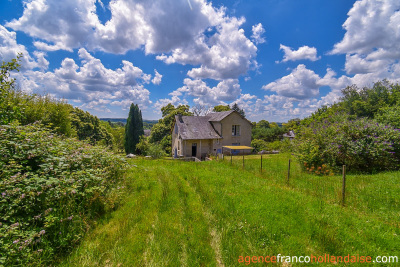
[261, 164]
[344, 185]
[288, 173]
[231, 156]
[243, 158]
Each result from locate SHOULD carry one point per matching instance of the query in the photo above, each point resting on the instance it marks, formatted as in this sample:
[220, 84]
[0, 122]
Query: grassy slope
[210, 213]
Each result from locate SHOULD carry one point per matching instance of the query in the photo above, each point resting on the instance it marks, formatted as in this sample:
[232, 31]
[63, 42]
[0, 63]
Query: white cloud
[91, 83]
[258, 31]
[62, 24]
[371, 24]
[227, 54]
[372, 41]
[200, 93]
[304, 52]
[199, 34]
[157, 78]
[302, 83]
[9, 49]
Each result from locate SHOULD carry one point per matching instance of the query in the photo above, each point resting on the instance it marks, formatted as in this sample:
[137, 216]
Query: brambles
[362, 145]
[50, 190]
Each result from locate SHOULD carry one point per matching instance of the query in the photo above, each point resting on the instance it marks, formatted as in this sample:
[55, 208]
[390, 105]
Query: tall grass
[377, 193]
[210, 213]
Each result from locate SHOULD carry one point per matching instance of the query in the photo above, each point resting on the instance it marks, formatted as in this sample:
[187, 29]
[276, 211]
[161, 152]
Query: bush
[259, 145]
[155, 151]
[143, 146]
[361, 145]
[389, 115]
[51, 189]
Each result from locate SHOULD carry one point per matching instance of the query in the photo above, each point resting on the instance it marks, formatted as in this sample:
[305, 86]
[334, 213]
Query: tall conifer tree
[133, 129]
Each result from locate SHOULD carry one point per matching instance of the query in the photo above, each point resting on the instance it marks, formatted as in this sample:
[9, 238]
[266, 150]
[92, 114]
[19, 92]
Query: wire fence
[376, 193]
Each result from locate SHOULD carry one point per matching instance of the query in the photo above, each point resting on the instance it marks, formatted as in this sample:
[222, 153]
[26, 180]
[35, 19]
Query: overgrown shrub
[156, 151]
[259, 145]
[389, 115]
[362, 145]
[50, 190]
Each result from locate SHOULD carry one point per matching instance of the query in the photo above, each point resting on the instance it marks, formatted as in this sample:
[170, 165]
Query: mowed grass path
[210, 213]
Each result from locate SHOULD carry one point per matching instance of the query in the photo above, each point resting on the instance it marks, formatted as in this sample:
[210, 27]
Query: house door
[194, 149]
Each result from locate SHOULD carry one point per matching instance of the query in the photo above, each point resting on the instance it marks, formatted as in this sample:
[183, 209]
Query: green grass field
[211, 213]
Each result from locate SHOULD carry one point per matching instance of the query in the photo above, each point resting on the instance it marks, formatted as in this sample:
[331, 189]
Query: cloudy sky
[278, 59]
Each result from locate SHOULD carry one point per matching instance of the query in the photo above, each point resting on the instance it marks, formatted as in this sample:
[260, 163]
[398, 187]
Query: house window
[235, 130]
[235, 144]
[217, 141]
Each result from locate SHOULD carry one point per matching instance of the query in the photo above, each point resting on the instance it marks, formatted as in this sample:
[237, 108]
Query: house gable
[209, 133]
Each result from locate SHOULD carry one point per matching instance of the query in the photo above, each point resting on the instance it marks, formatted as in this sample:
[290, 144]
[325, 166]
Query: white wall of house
[244, 138]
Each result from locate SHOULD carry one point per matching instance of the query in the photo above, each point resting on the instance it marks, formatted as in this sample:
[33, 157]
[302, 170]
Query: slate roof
[195, 127]
[218, 116]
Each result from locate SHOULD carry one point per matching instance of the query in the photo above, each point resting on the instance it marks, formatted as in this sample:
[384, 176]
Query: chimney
[180, 118]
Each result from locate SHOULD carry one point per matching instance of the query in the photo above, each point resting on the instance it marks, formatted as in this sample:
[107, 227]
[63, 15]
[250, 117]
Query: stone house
[198, 136]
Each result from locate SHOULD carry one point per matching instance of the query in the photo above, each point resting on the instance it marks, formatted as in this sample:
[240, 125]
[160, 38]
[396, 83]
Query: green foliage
[362, 145]
[166, 143]
[51, 189]
[292, 125]
[62, 118]
[221, 108]
[142, 147]
[262, 124]
[161, 132]
[133, 129]
[344, 133]
[89, 127]
[155, 151]
[148, 124]
[268, 134]
[389, 115]
[259, 145]
[366, 102]
[51, 112]
[10, 110]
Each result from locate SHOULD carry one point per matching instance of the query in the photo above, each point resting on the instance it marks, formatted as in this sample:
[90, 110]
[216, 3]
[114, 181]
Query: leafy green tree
[156, 151]
[142, 147]
[161, 131]
[133, 129]
[259, 145]
[366, 102]
[292, 124]
[89, 127]
[221, 108]
[263, 124]
[268, 134]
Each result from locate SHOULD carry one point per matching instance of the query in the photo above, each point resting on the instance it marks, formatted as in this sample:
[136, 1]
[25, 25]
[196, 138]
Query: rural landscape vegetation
[199, 133]
[69, 196]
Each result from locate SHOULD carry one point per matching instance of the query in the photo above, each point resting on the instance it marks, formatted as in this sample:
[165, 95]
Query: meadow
[210, 213]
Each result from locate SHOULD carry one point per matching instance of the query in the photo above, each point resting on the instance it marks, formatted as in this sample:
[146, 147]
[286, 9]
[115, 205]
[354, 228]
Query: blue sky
[278, 59]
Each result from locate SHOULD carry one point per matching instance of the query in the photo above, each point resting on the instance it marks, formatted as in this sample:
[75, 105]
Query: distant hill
[114, 120]
[147, 124]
